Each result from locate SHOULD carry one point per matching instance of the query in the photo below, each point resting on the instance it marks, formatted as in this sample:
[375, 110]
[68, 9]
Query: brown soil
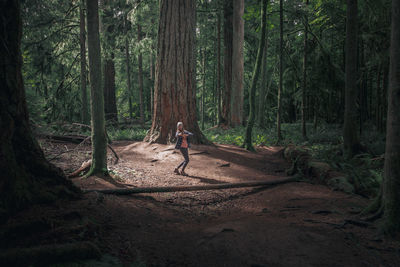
[295, 224]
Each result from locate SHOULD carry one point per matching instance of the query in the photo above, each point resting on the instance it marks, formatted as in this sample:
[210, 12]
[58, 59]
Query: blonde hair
[179, 124]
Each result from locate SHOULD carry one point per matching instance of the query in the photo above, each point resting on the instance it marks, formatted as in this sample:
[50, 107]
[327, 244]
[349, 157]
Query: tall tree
[107, 29]
[226, 96]
[140, 73]
[252, 116]
[82, 35]
[99, 141]
[279, 112]
[26, 176]
[219, 65]
[128, 66]
[237, 63]
[351, 143]
[263, 85]
[391, 180]
[304, 86]
[175, 85]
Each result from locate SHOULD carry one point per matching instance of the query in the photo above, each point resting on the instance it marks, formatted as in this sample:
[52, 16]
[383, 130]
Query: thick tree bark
[226, 97]
[351, 143]
[110, 103]
[175, 86]
[279, 112]
[140, 78]
[26, 176]
[99, 140]
[82, 35]
[237, 63]
[304, 86]
[391, 180]
[106, 29]
[248, 139]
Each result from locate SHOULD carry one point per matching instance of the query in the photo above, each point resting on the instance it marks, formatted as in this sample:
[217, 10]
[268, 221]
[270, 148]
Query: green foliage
[133, 134]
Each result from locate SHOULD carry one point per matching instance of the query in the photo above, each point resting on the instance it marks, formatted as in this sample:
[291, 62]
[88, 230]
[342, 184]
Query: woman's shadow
[206, 180]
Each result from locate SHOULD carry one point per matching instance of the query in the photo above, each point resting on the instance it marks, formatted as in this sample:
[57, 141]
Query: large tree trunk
[350, 134]
[237, 63]
[226, 97]
[99, 140]
[175, 85]
[391, 180]
[248, 139]
[279, 112]
[82, 35]
[140, 78]
[304, 87]
[26, 176]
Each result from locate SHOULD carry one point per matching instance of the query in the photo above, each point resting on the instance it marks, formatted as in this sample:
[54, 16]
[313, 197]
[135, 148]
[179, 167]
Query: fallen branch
[137, 190]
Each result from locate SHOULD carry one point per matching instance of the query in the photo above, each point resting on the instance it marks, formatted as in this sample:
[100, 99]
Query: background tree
[99, 141]
[280, 89]
[82, 35]
[351, 143]
[174, 91]
[27, 177]
[248, 139]
[391, 180]
[237, 63]
[304, 85]
[227, 92]
[107, 26]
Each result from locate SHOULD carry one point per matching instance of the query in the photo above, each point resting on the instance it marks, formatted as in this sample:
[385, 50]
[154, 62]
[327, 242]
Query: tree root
[137, 190]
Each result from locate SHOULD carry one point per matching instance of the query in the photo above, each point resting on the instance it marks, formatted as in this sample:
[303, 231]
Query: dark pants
[185, 154]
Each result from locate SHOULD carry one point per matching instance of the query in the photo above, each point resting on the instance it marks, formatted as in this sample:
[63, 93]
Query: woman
[183, 144]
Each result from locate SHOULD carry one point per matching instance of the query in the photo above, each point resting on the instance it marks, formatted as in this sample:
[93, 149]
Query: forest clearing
[200, 133]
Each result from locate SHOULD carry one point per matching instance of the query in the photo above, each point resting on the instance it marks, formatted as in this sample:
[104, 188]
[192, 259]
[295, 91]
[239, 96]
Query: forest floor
[293, 224]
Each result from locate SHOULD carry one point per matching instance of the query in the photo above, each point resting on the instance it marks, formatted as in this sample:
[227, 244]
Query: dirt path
[296, 224]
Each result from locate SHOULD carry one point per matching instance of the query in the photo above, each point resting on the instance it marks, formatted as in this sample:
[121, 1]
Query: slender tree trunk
[128, 68]
[175, 85]
[152, 86]
[252, 116]
[278, 117]
[140, 78]
[237, 63]
[99, 141]
[82, 35]
[203, 90]
[304, 87]
[378, 99]
[219, 66]
[263, 87]
[26, 176]
[391, 180]
[351, 143]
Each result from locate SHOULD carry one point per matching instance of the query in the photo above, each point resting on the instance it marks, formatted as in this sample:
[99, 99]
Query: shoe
[177, 171]
[184, 173]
